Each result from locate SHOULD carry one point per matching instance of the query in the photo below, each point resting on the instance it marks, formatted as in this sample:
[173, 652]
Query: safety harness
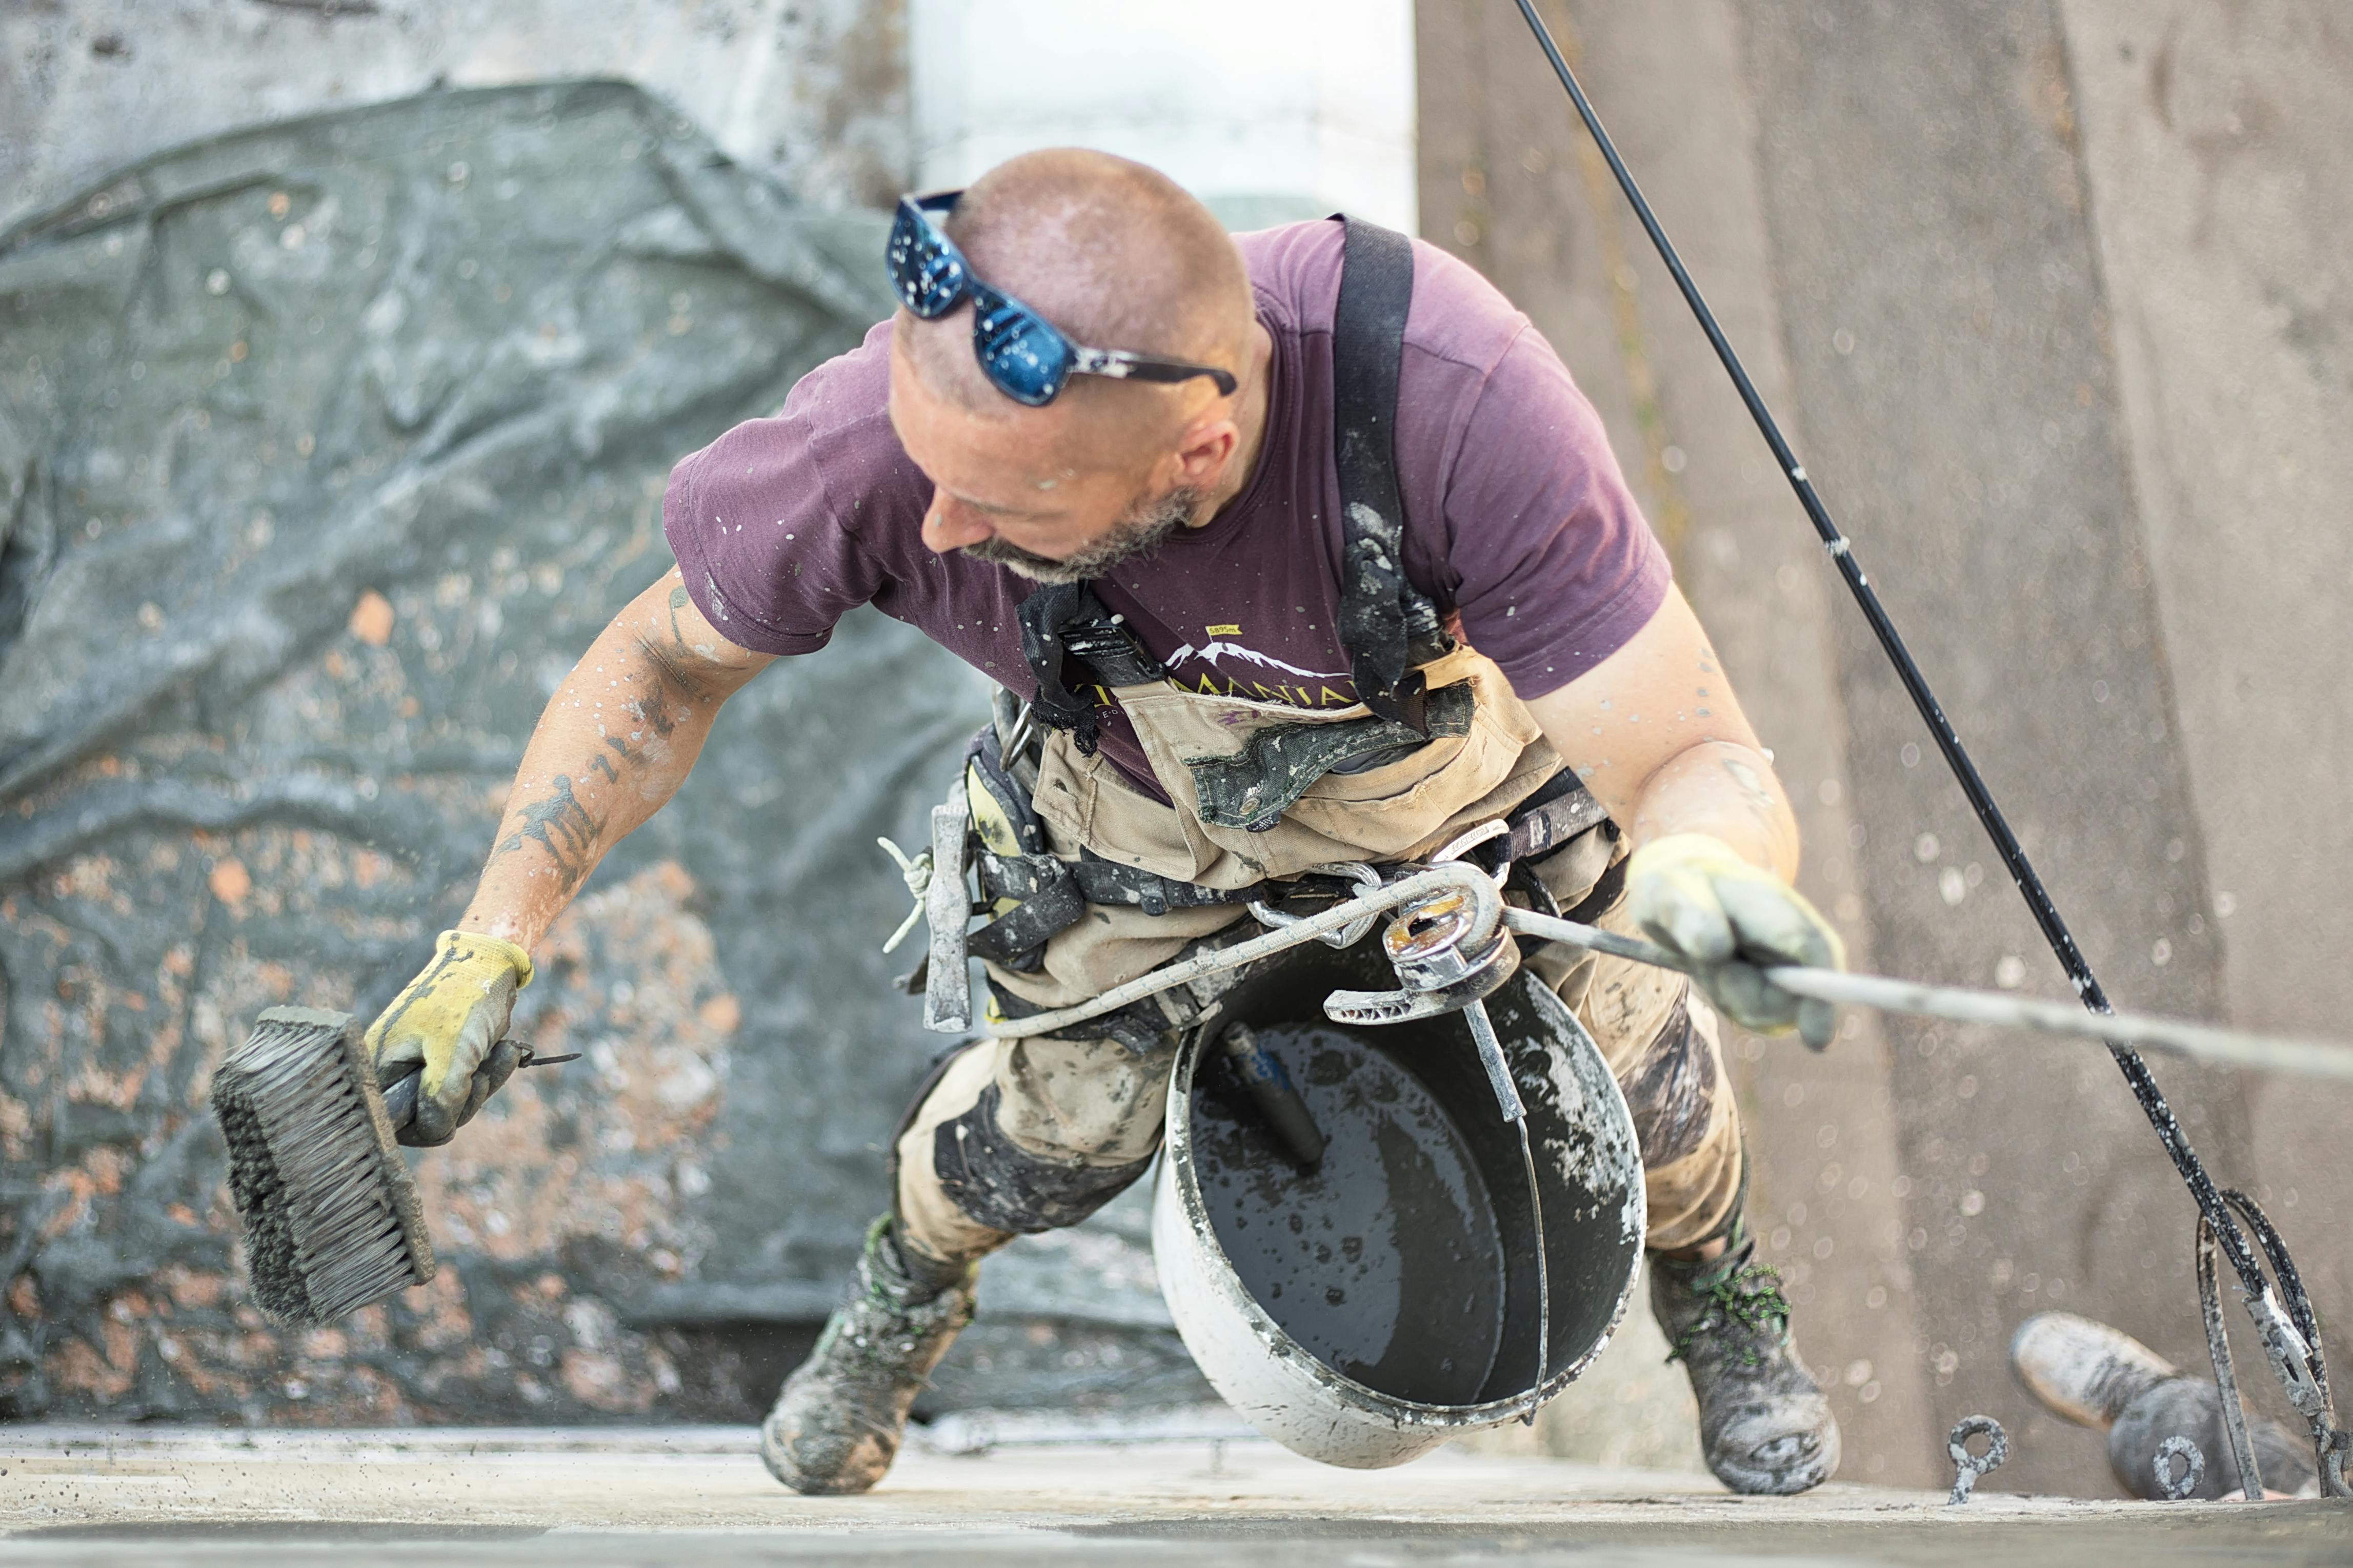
[1388, 627]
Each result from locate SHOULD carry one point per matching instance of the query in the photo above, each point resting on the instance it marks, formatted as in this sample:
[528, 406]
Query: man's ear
[1204, 449]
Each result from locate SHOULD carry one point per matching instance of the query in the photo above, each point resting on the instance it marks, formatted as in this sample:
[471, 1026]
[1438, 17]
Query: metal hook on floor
[1969, 1467]
[2193, 1467]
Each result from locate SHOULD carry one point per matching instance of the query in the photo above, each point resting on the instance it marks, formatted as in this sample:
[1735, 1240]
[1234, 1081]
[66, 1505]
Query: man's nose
[948, 526]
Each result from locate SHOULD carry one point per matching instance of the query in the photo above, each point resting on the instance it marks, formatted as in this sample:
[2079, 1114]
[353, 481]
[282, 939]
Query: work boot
[2104, 1378]
[839, 1418]
[1764, 1425]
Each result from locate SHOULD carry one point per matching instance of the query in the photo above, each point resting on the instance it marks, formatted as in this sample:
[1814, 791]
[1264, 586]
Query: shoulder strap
[1386, 624]
[1070, 641]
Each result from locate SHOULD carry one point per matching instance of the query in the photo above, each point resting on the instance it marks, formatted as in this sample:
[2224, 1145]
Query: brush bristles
[321, 1195]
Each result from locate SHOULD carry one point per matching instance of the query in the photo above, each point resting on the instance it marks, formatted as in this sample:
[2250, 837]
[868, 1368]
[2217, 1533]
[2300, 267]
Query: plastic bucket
[1370, 1311]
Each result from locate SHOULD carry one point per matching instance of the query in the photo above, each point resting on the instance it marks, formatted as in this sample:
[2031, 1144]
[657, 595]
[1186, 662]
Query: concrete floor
[583, 1497]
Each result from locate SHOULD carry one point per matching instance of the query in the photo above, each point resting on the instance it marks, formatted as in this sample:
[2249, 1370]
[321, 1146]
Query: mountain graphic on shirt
[1304, 688]
[1218, 648]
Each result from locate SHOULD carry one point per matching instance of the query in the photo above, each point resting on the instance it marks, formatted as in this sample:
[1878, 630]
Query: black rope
[2013, 856]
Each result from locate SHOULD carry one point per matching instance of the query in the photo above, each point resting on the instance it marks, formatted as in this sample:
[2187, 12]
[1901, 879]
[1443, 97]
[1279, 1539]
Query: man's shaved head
[1116, 256]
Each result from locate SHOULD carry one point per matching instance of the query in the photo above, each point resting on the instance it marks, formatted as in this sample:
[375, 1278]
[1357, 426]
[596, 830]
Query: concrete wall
[2215, 140]
[1315, 113]
[2053, 300]
[1318, 113]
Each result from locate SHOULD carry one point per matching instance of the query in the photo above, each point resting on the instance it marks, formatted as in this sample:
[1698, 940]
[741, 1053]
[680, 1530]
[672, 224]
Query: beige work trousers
[1036, 1132]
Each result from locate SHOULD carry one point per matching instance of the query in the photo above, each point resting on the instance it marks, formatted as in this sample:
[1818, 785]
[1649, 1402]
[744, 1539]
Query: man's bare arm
[615, 742]
[1657, 735]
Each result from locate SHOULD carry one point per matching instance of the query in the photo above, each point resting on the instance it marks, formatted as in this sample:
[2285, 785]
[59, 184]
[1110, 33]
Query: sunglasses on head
[1022, 354]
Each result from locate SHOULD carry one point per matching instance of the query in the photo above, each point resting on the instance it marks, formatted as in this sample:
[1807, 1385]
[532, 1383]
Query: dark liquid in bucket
[1386, 1263]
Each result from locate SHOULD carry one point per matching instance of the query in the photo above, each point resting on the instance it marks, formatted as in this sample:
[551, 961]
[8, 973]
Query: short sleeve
[1552, 566]
[765, 547]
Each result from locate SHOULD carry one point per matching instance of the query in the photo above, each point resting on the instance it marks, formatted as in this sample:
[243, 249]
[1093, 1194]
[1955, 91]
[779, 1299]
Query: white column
[1268, 109]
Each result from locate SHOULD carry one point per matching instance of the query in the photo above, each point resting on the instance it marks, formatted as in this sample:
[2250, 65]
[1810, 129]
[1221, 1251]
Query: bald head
[1116, 256]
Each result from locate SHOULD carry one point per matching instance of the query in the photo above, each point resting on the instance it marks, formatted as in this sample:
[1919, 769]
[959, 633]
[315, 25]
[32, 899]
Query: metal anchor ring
[2193, 1467]
[1447, 954]
[1969, 1467]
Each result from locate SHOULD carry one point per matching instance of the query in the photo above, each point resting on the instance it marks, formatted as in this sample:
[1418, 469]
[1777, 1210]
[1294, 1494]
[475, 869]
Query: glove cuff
[497, 947]
[1703, 847]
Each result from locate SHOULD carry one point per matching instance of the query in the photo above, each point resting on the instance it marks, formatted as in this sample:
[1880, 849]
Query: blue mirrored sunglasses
[1022, 354]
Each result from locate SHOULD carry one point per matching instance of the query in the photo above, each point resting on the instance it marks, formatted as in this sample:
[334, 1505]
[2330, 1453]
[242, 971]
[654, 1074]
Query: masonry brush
[332, 1220]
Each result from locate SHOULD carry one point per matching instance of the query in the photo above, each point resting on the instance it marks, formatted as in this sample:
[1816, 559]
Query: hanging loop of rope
[915, 870]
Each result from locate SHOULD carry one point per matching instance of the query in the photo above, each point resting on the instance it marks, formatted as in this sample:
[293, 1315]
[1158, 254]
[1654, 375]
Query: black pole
[1988, 812]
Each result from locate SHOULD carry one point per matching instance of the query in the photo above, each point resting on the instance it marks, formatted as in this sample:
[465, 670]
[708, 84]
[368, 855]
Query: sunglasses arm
[1122, 365]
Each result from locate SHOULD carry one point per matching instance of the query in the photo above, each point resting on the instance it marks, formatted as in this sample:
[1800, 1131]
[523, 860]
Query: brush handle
[400, 1099]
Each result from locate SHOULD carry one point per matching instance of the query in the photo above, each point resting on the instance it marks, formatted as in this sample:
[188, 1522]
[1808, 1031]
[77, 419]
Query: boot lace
[1745, 1306]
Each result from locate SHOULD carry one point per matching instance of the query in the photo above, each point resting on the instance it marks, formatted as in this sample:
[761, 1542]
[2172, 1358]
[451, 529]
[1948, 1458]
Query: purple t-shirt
[1517, 516]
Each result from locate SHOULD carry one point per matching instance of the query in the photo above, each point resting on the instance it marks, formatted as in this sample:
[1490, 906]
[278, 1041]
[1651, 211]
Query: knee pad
[1673, 1093]
[1002, 1185]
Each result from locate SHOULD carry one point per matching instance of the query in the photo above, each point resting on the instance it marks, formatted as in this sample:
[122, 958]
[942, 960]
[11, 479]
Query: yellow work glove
[1693, 893]
[452, 1022]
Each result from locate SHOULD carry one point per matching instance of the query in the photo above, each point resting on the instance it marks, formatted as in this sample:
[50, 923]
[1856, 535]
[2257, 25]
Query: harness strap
[1385, 623]
[1109, 882]
[1560, 809]
[1045, 614]
[1070, 641]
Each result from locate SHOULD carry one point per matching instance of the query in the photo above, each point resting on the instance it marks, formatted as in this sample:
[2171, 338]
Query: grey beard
[1138, 534]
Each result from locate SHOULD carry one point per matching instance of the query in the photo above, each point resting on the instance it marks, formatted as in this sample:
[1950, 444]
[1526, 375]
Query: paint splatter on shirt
[1517, 516]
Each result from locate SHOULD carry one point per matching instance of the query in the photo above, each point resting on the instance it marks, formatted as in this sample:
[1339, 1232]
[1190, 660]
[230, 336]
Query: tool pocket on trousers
[1082, 801]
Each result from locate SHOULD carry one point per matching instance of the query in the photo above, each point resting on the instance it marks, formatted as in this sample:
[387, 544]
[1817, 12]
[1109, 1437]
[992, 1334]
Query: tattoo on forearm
[653, 713]
[562, 826]
[662, 694]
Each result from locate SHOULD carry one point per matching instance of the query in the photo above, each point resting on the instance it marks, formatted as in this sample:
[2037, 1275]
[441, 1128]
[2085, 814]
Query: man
[1097, 457]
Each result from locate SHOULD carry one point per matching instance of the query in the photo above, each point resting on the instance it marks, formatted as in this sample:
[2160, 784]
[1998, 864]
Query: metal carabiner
[1367, 880]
